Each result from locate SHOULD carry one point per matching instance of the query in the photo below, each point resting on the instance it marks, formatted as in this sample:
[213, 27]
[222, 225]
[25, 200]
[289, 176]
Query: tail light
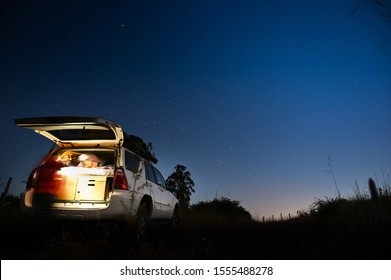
[46, 178]
[120, 181]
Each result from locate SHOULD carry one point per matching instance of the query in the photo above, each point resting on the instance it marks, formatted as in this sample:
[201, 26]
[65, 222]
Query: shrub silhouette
[223, 209]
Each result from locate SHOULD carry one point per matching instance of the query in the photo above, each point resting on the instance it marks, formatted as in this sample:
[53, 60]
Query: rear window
[83, 134]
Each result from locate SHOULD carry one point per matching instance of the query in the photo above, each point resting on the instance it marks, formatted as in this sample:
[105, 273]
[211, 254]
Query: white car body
[121, 180]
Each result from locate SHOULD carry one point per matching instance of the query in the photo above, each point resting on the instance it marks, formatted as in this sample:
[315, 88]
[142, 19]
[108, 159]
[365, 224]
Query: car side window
[132, 162]
[154, 175]
[159, 178]
[149, 173]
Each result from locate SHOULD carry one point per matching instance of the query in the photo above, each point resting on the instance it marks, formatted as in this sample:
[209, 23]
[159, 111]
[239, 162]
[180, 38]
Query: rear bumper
[120, 207]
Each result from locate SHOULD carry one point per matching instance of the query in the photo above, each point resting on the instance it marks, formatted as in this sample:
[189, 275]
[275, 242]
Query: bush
[221, 210]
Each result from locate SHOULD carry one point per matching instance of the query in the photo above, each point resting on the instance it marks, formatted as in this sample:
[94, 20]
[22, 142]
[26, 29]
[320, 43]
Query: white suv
[97, 172]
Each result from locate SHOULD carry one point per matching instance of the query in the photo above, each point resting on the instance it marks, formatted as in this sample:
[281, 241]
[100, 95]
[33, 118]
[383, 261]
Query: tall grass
[367, 205]
[339, 228]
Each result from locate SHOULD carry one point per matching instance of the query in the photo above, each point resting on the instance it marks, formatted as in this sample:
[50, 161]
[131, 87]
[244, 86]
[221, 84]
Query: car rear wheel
[142, 223]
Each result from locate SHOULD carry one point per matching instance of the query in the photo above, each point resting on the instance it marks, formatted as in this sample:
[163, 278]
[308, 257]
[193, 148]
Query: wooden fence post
[5, 192]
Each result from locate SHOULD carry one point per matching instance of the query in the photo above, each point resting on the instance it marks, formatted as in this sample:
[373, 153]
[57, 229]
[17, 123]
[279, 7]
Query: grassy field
[334, 228]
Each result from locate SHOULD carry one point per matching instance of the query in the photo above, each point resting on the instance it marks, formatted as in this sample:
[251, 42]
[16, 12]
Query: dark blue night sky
[251, 96]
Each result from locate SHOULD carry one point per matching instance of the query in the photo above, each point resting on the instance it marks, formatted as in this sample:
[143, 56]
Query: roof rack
[138, 146]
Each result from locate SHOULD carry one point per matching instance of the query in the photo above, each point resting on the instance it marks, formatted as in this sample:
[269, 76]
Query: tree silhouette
[181, 185]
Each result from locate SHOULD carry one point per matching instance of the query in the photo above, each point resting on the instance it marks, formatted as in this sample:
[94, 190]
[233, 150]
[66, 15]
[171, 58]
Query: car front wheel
[174, 221]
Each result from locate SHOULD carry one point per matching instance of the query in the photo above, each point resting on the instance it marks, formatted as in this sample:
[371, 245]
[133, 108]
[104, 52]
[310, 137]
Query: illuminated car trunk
[76, 176]
[91, 188]
[85, 188]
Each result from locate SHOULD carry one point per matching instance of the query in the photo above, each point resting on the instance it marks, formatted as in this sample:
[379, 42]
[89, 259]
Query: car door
[166, 197]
